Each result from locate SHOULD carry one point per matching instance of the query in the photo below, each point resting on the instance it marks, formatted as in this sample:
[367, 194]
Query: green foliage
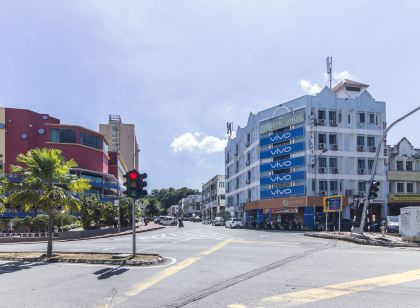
[40, 223]
[152, 206]
[163, 198]
[88, 209]
[108, 214]
[125, 211]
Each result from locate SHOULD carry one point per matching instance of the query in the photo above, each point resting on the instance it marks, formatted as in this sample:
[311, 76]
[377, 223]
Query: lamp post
[316, 191]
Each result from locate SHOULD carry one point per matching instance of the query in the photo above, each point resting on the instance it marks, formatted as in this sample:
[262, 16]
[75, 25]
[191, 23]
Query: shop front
[396, 202]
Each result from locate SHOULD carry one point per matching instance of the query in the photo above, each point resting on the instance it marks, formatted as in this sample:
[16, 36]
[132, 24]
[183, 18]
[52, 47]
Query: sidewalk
[374, 239]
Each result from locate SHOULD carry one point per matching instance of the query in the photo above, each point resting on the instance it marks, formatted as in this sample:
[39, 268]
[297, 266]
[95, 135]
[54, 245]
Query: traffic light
[132, 184]
[142, 185]
[373, 190]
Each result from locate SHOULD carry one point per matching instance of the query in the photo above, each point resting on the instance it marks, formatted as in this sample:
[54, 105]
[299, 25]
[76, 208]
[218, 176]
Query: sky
[180, 69]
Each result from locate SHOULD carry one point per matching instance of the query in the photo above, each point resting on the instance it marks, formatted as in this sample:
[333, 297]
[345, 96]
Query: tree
[108, 214]
[46, 184]
[152, 206]
[88, 206]
[170, 196]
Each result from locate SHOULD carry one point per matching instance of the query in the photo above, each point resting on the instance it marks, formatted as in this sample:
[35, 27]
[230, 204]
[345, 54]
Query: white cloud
[340, 76]
[309, 87]
[194, 142]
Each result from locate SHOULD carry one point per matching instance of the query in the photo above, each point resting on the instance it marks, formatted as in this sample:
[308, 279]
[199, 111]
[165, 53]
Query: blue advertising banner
[283, 136]
[333, 204]
[280, 192]
[283, 150]
[283, 178]
[283, 164]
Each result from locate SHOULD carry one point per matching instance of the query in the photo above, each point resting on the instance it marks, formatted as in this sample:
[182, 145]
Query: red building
[22, 130]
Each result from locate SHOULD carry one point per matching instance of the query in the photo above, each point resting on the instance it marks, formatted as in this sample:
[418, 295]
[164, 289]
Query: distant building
[190, 206]
[123, 140]
[288, 157]
[213, 197]
[173, 210]
[403, 176]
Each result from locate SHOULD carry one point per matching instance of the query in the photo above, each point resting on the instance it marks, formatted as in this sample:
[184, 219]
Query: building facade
[288, 157]
[213, 198]
[403, 176]
[123, 140]
[190, 206]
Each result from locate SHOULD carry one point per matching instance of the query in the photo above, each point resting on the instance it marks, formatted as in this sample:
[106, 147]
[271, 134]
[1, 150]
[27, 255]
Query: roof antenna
[329, 69]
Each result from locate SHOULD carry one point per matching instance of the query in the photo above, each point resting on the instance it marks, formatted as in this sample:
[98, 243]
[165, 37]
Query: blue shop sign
[283, 150]
[283, 136]
[283, 178]
[280, 192]
[283, 164]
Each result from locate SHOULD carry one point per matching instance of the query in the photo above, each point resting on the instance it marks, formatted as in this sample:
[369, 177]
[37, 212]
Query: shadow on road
[109, 272]
[14, 266]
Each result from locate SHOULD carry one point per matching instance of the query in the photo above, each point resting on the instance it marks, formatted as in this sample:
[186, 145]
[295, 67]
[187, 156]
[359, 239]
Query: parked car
[196, 219]
[393, 224]
[234, 223]
[218, 221]
[346, 225]
[168, 221]
[206, 221]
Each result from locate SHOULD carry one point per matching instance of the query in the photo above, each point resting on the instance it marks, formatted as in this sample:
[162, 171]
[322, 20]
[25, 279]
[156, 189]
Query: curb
[360, 241]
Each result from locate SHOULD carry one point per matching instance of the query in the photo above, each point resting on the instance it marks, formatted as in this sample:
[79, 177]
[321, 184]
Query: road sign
[116, 202]
[333, 204]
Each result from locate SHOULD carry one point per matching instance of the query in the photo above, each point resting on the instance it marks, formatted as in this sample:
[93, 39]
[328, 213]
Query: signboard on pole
[333, 204]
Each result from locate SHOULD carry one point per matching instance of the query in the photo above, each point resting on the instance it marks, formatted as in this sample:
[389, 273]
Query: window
[400, 187]
[237, 181]
[227, 157]
[400, 166]
[332, 115]
[249, 194]
[91, 140]
[63, 135]
[248, 139]
[349, 118]
[409, 166]
[321, 115]
[248, 157]
[333, 139]
[333, 162]
[222, 197]
[322, 138]
[237, 166]
[227, 172]
[361, 163]
[371, 141]
[322, 162]
[410, 187]
[370, 164]
[361, 186]
[360, 140]
[236, 149]
[323, 186]
[221, 184]
[361, 117]
[333, 186]
[371, 118]
[353, 89]
[248, 176]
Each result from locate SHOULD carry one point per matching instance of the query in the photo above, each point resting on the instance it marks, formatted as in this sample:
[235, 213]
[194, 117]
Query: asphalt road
[216, 267]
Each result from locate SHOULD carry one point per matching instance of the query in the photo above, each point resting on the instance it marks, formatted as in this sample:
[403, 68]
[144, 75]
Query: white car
[167, 221]
[234, 223]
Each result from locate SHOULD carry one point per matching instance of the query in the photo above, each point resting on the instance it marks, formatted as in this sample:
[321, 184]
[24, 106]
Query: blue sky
[180, 70]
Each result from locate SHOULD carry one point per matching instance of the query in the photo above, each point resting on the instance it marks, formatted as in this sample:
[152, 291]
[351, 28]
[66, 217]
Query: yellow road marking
[140, 287]
[265, 242]
[340, 289]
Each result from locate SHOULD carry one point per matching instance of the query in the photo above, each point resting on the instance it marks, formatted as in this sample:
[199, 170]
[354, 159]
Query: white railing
[26, 235]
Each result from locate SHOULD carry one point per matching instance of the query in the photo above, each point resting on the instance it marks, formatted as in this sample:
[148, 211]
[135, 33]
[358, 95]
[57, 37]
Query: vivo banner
[283, 164]
[283, 178]
[283, 136]
[283, 150]
[280, 192]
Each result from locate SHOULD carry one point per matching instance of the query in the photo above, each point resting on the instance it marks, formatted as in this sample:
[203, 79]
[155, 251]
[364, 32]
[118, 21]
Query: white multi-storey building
[190, 206]
[282, 163]
[213, 197]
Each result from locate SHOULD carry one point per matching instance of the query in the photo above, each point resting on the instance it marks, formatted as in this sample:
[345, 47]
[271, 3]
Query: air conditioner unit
[321, 122]
[349, 192]
[372, 149]
[362, 171]
[334, 193]
[321, 146]
[323, 193]
[227, 161]
[334, 147]
[247, 143]
[247, 163]
[236, 153]
[335, 170]
[333, 122]
[322, 170]
[360, 148]
[248, 181]
[227, 176]
[361, 194]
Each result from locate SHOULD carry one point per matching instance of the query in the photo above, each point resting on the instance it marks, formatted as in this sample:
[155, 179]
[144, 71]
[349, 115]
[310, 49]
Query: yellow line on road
[341, 289]
[140, 287]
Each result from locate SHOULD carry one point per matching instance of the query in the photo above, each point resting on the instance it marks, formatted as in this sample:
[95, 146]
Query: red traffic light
[133, 175]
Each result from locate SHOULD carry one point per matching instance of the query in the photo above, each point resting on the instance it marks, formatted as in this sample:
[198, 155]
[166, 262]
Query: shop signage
[285, 210]
[283, 136]
[283, 150]
[405, 198]
[283, 164]
[282, 178]
[286, 120]
[333, 204]
[312, 140]
[280, 192]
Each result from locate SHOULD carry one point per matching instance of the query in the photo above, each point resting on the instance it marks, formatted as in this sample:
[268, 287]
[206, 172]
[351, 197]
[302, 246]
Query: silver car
[218, 221]
[234, 223]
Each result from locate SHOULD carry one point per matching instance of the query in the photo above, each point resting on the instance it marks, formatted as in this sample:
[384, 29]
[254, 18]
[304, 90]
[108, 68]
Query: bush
[40, 223]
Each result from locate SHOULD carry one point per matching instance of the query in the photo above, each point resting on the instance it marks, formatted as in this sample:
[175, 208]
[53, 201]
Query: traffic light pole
[133, 214]
[359, 230]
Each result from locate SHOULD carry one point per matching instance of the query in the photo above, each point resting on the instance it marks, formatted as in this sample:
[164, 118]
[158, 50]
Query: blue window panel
[283, 150]
[280, 192]
[283, 178]
[283, 164]
[283, 136]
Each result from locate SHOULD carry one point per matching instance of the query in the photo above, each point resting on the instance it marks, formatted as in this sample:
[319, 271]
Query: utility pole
[358, 231]
[133, 214]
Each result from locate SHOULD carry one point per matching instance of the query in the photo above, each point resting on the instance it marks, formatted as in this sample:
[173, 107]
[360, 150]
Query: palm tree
[46, 184]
